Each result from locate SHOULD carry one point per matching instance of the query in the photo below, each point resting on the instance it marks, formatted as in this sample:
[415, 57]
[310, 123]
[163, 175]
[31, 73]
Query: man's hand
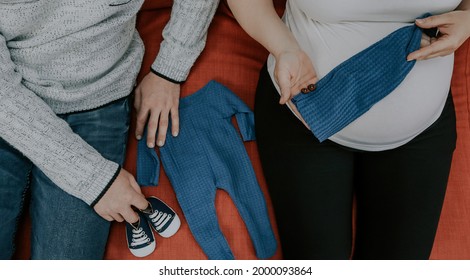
[156, 99]
[116, 204]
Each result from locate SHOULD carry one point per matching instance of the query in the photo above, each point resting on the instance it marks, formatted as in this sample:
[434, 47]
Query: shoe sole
[145, 251]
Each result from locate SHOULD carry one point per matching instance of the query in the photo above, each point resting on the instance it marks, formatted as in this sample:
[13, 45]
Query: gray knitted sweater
[62, 56]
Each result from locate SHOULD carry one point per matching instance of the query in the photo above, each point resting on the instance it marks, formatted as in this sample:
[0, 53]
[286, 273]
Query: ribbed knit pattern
[209, 154]
[179, 50]
[63, 56]
[354, 86]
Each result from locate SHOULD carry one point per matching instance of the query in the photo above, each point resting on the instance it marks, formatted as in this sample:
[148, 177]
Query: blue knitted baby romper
[354, 86]
[209, 154]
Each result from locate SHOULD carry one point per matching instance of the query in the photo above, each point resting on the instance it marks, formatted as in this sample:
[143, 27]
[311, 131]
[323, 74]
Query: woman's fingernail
[420, 20]
[150, 145]
[175, 133]
[138, 137]
[160, 143]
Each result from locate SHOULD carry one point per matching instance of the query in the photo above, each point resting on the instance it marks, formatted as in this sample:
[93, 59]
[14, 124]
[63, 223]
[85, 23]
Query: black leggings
[398, 193]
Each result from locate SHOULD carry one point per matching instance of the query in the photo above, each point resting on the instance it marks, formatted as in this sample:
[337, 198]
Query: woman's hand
[426, 40]
[454, 29]
[294, 71]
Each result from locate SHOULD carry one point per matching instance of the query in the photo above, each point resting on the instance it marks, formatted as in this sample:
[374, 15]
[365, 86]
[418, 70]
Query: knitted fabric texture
[184, 37]
[208, 154]
[354, 86]
[147, 164]
[64, 56]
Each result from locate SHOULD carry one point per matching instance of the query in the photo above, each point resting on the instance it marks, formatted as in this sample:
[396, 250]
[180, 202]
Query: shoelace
[159, 219]
[139, 237]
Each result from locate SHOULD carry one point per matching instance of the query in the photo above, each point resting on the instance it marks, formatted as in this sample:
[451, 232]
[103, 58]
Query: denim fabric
[63, 227]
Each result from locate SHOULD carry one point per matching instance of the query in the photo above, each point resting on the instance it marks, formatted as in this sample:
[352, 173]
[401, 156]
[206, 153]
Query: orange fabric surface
[453, 235]
[234, 59]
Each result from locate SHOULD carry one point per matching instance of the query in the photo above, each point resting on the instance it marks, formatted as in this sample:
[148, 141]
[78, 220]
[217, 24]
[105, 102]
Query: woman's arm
[294, 69]
[454, 29]
[260, 20]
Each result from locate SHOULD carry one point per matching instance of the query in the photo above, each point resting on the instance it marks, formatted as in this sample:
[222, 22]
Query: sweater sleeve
[184, 38]
[29, 125]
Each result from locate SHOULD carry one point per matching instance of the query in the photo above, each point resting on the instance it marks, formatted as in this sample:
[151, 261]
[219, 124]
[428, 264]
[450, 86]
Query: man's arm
[158, 94]
[30, 126]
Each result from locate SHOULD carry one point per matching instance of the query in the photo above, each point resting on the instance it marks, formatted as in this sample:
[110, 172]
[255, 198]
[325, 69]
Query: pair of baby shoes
[159, 216]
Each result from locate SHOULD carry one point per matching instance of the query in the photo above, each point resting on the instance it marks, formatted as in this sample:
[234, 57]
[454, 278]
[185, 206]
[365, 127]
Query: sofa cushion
[234, 59]
[453, 235]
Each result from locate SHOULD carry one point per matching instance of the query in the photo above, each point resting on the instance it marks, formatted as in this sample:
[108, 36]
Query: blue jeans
[63, 226]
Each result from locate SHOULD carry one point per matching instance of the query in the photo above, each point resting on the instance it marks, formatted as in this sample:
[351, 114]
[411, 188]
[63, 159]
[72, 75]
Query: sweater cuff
[174, 61]
[100, 183]
[165, 77]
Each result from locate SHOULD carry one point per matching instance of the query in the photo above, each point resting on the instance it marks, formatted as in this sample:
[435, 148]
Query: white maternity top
[331, 31]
